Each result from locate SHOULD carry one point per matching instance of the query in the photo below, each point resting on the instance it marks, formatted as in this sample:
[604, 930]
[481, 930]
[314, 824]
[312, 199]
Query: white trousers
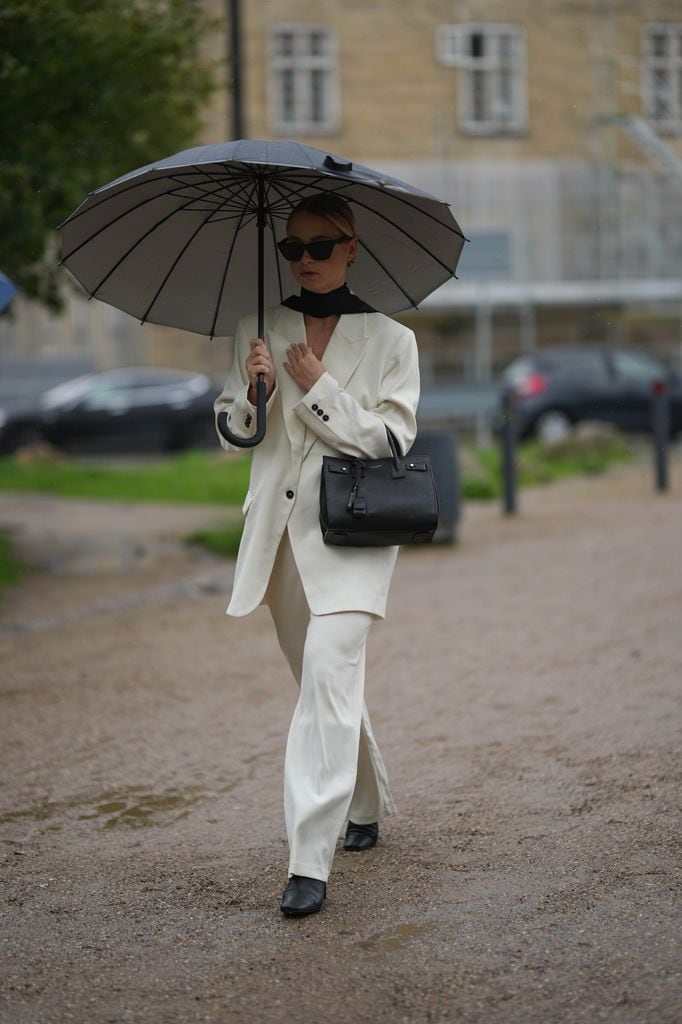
[333, 769]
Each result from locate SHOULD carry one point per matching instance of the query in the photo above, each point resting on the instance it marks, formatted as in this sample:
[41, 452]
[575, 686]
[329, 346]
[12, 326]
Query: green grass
[222, 541]
[197, 477]
[10, 569]
[541, 464]
[216, 479]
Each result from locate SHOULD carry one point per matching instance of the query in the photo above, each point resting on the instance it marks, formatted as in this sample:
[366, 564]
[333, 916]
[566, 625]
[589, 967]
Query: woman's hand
[258, 361]
[303, 366]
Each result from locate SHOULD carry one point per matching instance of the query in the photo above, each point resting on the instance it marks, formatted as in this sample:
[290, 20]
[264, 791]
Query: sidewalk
[525, 691]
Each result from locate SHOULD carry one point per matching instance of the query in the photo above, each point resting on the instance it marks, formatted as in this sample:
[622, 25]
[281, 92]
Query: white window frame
[302, 63]
[672, 63]
[453, 48]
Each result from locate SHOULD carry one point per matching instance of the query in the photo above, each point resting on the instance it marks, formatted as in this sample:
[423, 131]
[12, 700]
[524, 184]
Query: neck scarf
[333, 303]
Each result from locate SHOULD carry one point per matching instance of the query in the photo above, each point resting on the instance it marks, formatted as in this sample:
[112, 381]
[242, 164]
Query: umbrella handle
[247, 442]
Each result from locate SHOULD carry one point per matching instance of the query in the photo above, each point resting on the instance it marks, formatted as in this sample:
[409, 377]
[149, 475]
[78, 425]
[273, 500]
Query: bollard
[660, 428]
[509, 473]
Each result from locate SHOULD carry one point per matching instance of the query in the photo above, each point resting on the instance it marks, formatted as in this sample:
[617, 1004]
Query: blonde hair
[332, 207]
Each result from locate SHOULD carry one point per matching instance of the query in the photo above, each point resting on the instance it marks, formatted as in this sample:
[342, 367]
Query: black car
[119, 410]
[557, 388]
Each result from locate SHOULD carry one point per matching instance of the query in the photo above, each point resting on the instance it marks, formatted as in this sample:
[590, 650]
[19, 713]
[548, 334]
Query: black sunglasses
[322, 250]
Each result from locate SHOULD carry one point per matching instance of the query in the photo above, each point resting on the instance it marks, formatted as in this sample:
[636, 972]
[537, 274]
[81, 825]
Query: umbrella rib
[109, 224]
[233, 180]
[135, 245]
[348, 185]
[286, 197]
[368, 250]
[388, 273]
[131, 209]
[389, 191]
[227, 267]
[173, 266]
[407, 234]
[77, 214]
[402, 230]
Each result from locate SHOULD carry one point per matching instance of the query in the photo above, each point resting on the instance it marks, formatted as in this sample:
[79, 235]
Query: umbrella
[177, 242]
[8, 290]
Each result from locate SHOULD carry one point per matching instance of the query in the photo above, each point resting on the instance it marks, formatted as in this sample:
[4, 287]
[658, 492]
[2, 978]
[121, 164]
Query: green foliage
[195, 477]
[89, 89]
[10, 569]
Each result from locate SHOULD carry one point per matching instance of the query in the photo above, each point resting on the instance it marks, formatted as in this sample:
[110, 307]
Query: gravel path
[525, 691]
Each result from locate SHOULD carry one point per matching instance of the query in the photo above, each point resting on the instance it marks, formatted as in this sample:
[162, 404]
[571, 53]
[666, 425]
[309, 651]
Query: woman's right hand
[258, 361]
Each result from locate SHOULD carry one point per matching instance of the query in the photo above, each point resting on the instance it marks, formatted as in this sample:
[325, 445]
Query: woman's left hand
[303, 365]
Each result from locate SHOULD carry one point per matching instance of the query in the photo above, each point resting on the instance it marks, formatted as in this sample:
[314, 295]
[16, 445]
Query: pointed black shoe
[361, 837]
[303, 896]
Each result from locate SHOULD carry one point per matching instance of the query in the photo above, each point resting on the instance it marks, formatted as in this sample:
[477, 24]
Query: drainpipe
[233, 17]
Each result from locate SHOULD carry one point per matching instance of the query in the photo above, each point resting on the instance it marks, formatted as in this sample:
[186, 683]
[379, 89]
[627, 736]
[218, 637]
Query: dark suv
[556, 388]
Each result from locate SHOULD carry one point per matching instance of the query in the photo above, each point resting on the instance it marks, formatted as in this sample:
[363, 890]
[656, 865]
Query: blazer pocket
[248, 501]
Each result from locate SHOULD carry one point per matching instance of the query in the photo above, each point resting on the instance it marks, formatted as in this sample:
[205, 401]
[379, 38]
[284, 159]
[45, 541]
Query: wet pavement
[525, 691]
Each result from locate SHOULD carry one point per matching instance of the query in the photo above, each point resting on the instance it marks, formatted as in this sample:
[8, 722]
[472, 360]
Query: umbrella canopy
[177, 242]
[8, 290]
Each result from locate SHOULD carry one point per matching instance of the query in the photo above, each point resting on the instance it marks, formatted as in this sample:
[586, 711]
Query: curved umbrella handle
[247, 442]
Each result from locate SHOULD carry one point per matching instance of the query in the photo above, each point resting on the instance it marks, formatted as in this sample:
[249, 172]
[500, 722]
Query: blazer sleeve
[241, 414]
[345, 425]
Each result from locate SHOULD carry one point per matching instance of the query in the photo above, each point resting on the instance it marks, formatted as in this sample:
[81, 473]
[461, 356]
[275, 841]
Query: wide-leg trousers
[332, 769]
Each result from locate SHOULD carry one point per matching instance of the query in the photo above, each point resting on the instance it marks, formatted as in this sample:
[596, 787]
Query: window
[304, 93]
[492, 75]
[662, 69]
[637, 367]
[487, 256]
[590, 366]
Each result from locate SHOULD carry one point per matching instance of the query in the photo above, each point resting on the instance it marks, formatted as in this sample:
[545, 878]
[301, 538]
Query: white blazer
[371, 379]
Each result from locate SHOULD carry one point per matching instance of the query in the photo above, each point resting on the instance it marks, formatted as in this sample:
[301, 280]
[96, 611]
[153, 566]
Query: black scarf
[341, 300]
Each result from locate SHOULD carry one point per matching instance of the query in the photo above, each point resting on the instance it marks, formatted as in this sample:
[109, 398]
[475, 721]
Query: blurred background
[553, 128]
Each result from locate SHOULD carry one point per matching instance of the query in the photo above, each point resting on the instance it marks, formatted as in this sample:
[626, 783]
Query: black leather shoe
[303, 895]
[361, 837]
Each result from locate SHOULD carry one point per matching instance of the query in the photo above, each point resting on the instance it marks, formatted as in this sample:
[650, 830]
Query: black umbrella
[176, 242]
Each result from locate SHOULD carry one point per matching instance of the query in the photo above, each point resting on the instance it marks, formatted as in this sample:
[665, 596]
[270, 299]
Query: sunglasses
[322, 250]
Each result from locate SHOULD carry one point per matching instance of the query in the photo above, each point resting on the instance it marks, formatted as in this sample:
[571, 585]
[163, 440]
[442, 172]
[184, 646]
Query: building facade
[553, 127]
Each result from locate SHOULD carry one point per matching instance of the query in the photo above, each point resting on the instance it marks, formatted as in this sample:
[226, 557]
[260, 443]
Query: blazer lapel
[346, 347]
[344, 351]
[342, 355]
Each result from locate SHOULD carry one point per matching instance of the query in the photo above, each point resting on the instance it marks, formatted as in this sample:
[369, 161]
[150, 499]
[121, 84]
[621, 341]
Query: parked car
[557, 388]
[118, 410]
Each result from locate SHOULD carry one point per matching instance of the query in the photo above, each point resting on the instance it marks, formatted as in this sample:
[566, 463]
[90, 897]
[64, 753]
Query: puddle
[132, 807]
[397, 938]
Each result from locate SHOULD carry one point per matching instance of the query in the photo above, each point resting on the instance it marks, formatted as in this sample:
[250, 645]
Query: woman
[337, 374]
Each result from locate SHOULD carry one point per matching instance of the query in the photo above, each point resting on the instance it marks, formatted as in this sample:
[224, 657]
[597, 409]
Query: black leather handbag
[377, 502]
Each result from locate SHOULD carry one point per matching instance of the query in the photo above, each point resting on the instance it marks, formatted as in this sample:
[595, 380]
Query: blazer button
[319, 412]
[314, 408]
[290, 494]
[325, 417]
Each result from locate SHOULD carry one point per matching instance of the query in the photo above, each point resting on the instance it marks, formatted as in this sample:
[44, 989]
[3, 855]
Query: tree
[89, 89]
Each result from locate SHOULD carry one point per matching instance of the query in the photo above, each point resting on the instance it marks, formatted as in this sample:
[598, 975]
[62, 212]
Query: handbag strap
[395, 453]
